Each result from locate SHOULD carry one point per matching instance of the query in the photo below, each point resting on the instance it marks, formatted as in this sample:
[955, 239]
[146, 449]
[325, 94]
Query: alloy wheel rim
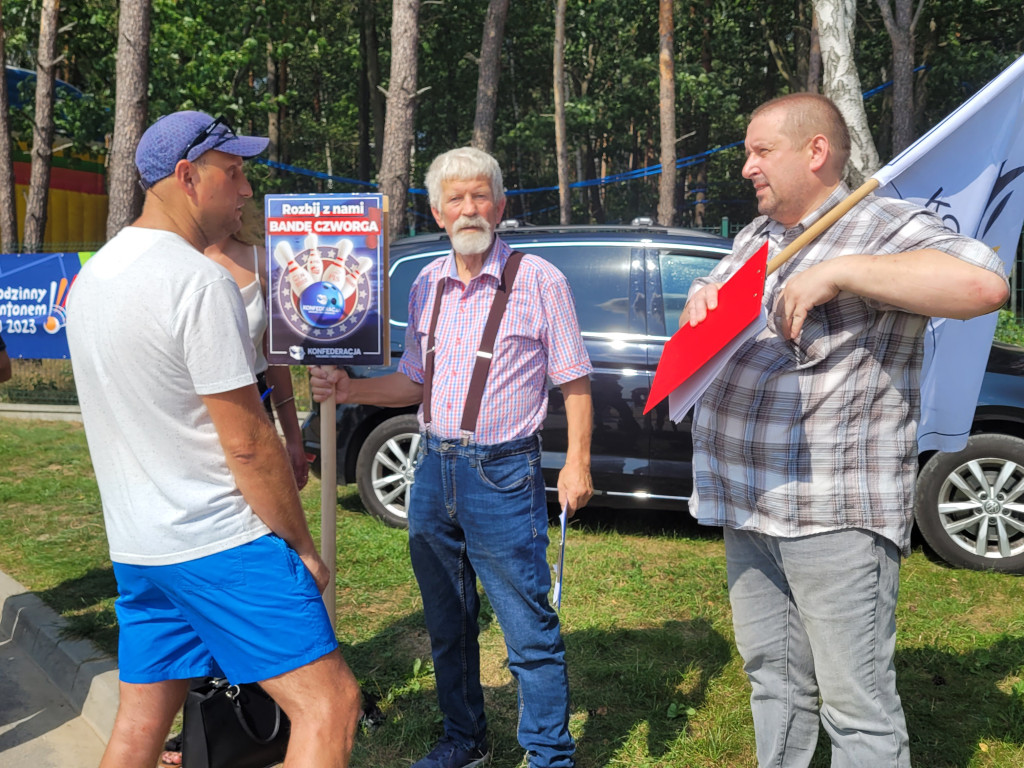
[392, 473]
[981, 507]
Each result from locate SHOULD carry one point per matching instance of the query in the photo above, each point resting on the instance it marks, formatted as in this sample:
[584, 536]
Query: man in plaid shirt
[478, 506]
[805, 445]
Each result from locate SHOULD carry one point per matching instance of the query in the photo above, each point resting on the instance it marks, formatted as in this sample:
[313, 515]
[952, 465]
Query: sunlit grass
[655, 676]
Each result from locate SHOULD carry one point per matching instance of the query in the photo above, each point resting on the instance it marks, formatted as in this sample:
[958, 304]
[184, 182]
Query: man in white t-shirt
[217, 572]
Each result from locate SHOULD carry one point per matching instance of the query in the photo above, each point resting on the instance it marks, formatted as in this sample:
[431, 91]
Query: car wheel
[970, 504]
[384, 469]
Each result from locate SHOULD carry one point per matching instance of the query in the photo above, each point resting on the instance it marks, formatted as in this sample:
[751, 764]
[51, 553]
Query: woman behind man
[243, 255]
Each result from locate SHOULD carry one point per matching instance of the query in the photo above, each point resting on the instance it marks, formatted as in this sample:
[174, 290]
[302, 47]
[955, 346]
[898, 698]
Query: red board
[691, 347]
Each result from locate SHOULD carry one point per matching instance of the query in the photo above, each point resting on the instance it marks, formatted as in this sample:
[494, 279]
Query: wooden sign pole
[329, 500]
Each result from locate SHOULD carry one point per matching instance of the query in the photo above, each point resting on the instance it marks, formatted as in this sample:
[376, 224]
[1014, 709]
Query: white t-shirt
[153, 325]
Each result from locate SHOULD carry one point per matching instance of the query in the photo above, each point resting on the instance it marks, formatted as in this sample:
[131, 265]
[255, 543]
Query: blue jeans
[479, 511]
[816, 616]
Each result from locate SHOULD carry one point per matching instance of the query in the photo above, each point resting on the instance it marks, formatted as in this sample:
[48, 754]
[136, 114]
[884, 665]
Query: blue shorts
[248, 614]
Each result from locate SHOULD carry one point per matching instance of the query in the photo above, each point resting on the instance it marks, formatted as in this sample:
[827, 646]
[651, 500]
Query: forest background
[356, 92]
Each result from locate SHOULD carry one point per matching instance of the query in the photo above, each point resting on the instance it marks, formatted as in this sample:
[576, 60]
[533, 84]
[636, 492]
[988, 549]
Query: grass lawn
[655, 677]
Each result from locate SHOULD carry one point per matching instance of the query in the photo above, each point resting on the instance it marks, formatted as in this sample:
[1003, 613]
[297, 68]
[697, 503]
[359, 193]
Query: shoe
[448, 754]
[171, 756]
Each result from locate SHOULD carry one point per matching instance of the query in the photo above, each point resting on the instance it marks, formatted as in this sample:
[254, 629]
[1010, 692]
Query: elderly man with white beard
[478, 367]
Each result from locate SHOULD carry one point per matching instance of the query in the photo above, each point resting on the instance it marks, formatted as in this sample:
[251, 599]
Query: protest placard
[328, 275]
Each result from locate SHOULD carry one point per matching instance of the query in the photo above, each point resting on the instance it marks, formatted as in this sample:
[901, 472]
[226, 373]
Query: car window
[597, 273]
[678, 270]
[599, 277]
[403, 273]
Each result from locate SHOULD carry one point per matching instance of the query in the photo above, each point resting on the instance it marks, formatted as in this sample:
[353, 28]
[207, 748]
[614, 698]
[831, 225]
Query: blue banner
[33, 295]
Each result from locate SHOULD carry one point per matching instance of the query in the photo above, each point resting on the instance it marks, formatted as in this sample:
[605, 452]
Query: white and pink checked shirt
[539, 337]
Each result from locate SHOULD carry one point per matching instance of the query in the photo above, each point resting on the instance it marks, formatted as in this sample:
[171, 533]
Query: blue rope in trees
[614, 178]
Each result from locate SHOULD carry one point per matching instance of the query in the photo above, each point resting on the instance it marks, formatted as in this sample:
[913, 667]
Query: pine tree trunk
[42, 129]
[274, 114]
[130, 113]
[396, 162]
[667, 107]
[378, 103]
[561, 143]
[702, 125]
[8, 211]
[595, 205]
[487, 81]
[900, 26]
[814, 58]
[836, 21]
[364, 162]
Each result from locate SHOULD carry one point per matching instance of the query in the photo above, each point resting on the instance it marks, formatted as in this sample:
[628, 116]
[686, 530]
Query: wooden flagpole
[823, 223]
[698, 348]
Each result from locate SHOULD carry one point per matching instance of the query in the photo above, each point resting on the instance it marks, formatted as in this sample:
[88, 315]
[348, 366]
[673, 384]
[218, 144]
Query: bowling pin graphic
[334, 272]
[314, 264]
[363, 265]
[298, 278]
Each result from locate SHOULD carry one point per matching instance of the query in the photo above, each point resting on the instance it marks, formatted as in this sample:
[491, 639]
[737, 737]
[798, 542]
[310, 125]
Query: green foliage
[40, 381]
[51, 382]
[213, 55]
[1009, 329]
[421, 675]
[677, 710]
[86, 41]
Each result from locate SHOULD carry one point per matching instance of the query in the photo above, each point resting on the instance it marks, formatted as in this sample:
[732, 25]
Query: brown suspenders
[471, 410]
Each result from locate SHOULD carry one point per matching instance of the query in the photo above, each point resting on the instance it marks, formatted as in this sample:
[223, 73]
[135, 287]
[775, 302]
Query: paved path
[38, 726]
[58, 696]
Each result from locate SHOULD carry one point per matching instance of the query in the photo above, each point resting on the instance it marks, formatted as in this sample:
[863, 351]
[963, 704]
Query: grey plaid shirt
[800, 437]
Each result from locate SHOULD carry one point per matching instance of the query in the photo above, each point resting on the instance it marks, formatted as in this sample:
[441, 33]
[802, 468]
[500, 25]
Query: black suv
[630, 284]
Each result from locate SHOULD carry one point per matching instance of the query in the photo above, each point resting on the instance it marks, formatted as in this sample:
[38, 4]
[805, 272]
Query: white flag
[969, 169]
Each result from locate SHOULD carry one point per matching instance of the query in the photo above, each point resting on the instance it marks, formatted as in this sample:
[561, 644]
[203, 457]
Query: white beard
[472, 243]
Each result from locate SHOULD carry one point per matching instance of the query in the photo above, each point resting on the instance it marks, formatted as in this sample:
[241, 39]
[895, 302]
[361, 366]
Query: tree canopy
[306, 67]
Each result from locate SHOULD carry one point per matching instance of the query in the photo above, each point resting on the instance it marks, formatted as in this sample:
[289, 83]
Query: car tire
[384, 469]
[975, 493]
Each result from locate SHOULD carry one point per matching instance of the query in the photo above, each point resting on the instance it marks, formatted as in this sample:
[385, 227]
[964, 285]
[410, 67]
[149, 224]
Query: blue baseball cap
[185, 136]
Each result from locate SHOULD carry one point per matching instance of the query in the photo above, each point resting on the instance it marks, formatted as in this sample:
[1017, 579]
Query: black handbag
[232, 726]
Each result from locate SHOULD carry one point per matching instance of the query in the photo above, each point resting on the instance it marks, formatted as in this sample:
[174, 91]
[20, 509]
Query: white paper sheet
[683, 397]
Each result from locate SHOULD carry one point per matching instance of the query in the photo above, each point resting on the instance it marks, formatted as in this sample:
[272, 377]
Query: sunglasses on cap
[226, 136]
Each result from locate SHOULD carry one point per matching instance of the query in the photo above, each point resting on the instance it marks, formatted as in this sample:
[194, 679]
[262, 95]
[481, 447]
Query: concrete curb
[84, 674]
[45, 412]
[70, 412]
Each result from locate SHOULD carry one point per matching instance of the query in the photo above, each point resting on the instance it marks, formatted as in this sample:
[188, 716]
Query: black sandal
[173, 746]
